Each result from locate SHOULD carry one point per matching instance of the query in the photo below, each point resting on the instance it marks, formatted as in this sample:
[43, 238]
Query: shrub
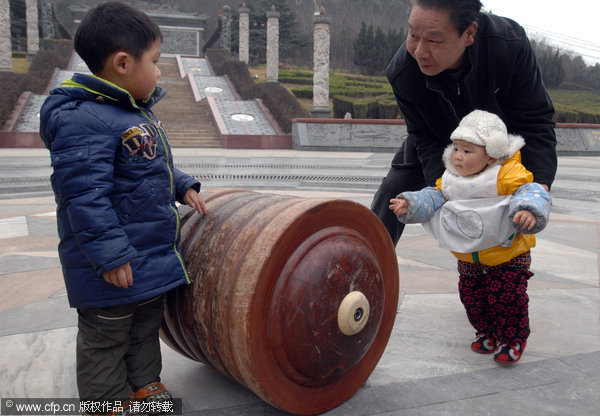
[575, 116]
[240, 78]
[341, 106]
[282, 105]
[45, 61]
[290, 79]
[377, 107]
[303, 92]
[56, 53]
[295, 77]
[11, 86]
[217, 58]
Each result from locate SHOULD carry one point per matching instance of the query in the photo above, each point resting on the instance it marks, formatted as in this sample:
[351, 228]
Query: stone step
[190, 137]
[213, 144]
[188, 122]
[186, 108]
[193, 130]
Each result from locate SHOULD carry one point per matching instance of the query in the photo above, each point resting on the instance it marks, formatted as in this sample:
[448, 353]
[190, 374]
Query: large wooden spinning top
[295, 298]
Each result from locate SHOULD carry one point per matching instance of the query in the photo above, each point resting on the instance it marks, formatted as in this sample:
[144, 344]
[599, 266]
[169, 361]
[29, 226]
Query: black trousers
[405, 174]
[118, 347]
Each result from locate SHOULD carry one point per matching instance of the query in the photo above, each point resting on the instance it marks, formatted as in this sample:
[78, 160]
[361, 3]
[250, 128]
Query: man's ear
[120, 62]
[470, 34]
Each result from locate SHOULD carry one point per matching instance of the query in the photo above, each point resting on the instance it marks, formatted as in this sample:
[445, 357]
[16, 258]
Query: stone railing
[364, 135]
[353, 135]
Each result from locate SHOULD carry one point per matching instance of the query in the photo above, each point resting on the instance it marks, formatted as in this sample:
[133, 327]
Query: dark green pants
[118, 347]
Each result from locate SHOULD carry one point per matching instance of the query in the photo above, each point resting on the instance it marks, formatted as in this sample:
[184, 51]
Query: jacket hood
[83, 87]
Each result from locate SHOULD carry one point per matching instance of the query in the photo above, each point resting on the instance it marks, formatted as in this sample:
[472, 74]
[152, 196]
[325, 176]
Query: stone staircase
[188, 123]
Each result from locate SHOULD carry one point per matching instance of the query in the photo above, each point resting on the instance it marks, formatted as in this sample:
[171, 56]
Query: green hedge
[290, 79]
[377, 108]
[303, 92]
[574, 116]
[282, 105]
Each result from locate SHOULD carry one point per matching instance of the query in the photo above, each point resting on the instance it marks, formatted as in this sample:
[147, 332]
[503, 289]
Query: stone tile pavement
[427, 368]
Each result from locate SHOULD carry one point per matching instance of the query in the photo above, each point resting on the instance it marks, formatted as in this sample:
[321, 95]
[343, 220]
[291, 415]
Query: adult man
[455, 60]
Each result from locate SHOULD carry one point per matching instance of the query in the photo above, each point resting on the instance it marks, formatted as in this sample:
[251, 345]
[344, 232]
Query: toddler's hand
[120, 277]
[193, 199]
[525, 219]
[399, 206]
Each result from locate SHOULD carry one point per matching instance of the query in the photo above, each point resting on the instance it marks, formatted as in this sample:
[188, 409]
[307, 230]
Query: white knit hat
[487, 130]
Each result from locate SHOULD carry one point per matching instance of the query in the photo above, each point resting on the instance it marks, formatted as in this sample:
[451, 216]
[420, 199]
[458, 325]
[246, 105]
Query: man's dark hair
[111, 27]
[462, 12]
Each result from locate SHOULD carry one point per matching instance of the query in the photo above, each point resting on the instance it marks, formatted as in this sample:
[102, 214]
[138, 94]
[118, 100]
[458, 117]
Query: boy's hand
[193, 199]
[525, 219]
[399, 206]
[120, 277]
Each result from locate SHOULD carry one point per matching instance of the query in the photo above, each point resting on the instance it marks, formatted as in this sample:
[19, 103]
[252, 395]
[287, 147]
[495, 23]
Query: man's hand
[120, 277]
[193, 199]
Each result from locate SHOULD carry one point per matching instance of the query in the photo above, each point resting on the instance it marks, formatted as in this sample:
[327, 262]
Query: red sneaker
[510, 354]
[484, 345]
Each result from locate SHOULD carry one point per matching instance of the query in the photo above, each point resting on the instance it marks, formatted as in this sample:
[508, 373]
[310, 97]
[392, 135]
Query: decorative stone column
[33, 32]
[226, 28]
[5, 43]
[47, 20]
[244, 41]
[321, 51]
[272, 45]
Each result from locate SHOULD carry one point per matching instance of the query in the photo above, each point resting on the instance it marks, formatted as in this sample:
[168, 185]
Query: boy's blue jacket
[115, 188]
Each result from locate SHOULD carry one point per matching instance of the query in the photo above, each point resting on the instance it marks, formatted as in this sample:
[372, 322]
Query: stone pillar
[226, 28]
[244, 41]
[5, 43]
[33, 32]
[322, 25]
[47, 20]
[272, 45]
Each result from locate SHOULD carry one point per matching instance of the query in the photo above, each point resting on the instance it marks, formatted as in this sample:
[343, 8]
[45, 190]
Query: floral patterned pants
[495, 298]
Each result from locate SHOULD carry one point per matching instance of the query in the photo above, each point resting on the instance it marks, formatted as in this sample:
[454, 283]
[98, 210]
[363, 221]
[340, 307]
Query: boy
[116, 187]
[485, 208]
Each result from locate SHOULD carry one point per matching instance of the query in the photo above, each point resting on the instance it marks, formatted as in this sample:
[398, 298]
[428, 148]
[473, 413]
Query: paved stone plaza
[427, 369]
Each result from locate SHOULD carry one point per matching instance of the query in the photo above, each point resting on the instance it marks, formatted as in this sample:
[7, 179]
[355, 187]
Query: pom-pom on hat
[488, 130]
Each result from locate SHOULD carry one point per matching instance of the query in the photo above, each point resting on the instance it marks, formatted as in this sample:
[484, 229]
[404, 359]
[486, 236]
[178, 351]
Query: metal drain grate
[285, 177]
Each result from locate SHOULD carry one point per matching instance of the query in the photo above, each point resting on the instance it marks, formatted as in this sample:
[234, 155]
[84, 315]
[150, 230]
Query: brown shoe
[153, 398]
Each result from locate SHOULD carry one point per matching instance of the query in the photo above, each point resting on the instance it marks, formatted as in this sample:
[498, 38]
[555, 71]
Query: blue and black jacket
[115, 187]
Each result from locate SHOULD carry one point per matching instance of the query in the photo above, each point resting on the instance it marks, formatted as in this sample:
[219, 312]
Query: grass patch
[20, 65]
[572, 106]
[571, 100]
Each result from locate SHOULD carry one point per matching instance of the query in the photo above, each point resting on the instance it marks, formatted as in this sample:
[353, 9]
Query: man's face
[434, 42]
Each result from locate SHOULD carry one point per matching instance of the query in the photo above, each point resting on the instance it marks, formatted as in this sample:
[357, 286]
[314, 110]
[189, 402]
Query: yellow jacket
[512, 176]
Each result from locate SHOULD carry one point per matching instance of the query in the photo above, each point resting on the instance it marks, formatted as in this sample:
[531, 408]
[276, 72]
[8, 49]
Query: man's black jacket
[501, 76]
